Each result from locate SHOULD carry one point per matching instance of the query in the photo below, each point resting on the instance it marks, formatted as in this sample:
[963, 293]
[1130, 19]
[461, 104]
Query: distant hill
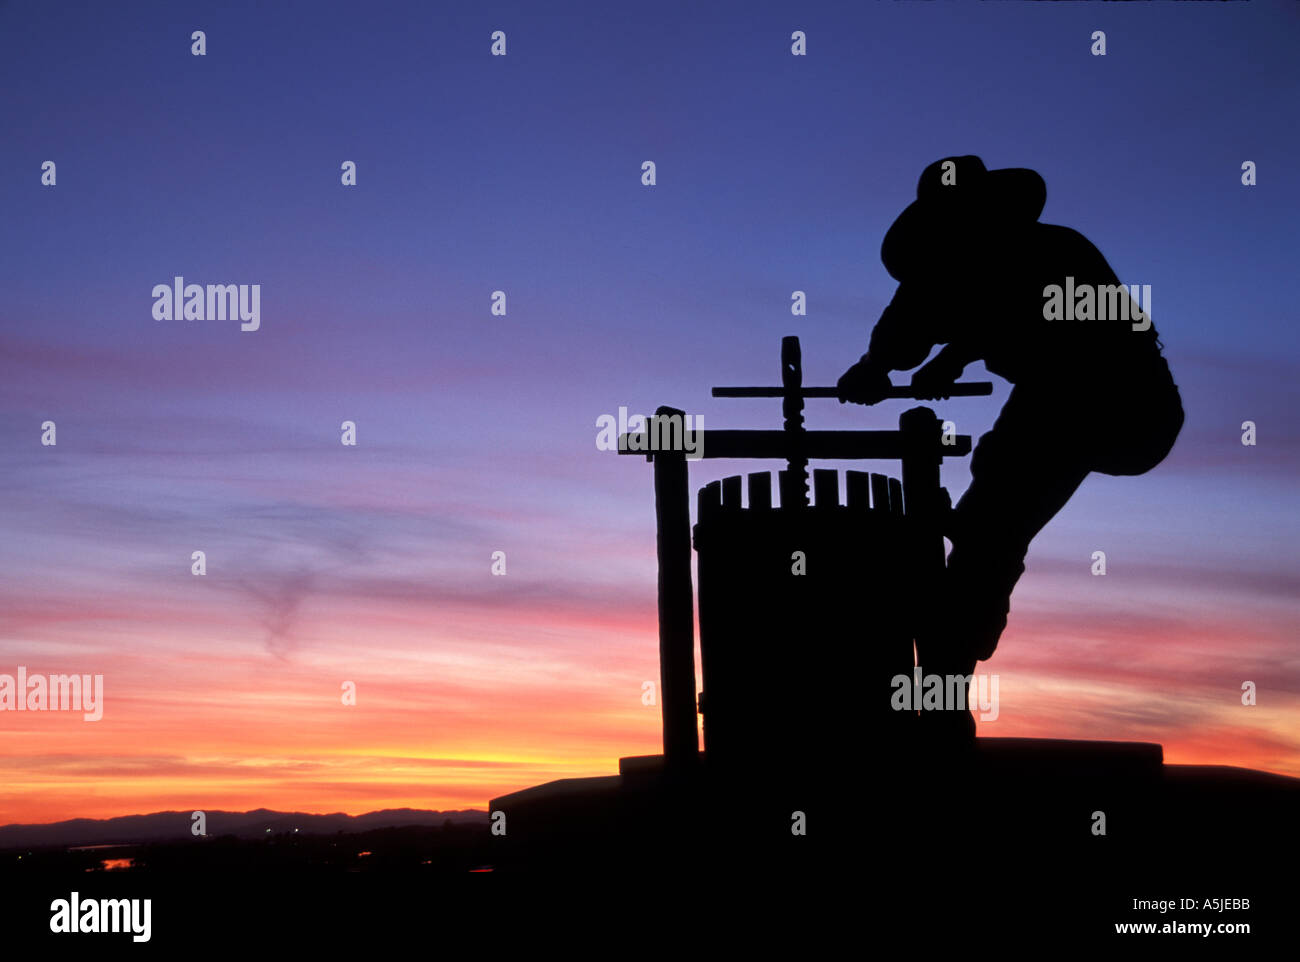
[166, 826]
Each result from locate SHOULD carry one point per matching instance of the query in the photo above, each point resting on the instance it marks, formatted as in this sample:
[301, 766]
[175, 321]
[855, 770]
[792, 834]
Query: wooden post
[794, 493]
[922, 456]
[676, 607]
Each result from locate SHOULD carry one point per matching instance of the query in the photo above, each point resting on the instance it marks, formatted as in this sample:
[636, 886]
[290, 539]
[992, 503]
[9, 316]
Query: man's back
[1014, 331]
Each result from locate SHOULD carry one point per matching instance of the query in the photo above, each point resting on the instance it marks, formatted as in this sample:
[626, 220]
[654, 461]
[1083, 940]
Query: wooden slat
[895, 496]
[760, 490]
[826, 488]
[731, 492]
[856, 489]
[880, 492]
[710, 500]
[789, 486]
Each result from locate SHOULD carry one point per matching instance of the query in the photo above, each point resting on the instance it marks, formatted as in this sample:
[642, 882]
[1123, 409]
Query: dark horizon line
[251, 811]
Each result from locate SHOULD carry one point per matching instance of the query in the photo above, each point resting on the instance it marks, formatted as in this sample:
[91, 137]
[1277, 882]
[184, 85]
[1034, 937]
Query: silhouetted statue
[975, 268]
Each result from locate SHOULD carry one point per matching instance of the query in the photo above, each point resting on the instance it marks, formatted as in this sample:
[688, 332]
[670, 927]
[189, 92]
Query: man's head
[961, 214]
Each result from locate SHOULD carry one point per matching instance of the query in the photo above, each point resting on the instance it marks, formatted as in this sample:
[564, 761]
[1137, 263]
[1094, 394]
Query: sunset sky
[476, 433]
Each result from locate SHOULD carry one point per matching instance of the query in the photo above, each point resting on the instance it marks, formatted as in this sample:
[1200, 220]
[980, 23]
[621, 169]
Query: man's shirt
[993, 310]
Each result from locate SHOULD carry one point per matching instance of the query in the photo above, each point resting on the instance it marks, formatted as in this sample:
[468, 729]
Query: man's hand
[864, 383]
[934, 380]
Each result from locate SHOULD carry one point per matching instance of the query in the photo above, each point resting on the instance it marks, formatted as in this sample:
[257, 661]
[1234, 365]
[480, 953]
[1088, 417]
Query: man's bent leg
[1015, 490]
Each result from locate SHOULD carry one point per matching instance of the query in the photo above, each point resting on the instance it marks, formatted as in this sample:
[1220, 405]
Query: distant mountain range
[170, 826]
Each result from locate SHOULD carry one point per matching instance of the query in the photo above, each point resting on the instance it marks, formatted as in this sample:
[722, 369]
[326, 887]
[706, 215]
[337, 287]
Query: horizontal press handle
[958, 389]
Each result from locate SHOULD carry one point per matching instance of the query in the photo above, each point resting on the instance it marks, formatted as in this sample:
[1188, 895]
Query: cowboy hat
[954, 195]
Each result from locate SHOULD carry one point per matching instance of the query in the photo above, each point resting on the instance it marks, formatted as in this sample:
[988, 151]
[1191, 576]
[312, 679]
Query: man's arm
[901, 339]
[905, 333]
[936, 377]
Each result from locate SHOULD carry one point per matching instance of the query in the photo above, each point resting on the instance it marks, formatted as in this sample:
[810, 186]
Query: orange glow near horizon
[452, 731]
